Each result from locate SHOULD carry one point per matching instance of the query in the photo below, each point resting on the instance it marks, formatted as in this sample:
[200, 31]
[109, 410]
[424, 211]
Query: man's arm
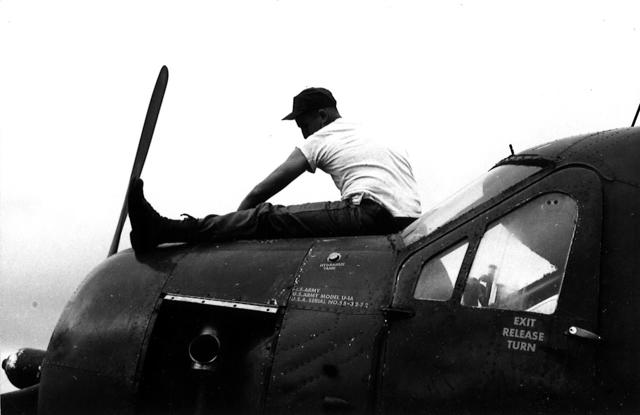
[288, 171]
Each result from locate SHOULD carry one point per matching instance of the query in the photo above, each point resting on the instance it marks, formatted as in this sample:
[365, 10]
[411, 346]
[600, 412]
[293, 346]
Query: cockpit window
[521, 259]
[482, 189]
[438, 275]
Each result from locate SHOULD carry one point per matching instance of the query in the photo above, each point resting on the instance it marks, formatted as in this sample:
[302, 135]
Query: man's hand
[287, 172]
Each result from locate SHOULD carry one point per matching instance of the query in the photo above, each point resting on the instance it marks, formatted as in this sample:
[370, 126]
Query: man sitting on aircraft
[378, 190]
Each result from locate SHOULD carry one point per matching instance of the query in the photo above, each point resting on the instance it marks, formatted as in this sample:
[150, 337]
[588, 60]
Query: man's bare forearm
[247, 203]
[255, 197]
[288, 171]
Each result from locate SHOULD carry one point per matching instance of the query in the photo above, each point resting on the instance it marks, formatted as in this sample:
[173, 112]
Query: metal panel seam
[142, 351]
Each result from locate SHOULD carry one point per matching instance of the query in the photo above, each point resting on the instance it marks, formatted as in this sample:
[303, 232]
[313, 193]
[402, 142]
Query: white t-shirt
[361, 167]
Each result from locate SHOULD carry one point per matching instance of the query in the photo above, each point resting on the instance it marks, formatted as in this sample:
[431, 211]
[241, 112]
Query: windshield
[480, 190]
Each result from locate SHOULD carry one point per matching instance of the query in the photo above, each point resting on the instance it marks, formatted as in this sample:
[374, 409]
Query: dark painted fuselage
[337, 325]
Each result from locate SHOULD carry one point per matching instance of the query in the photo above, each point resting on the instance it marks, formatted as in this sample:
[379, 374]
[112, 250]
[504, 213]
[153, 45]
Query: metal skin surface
[463, 366]
[327, 354]
[615, 155]
[331, 325]
[450, 357]
[95, 350]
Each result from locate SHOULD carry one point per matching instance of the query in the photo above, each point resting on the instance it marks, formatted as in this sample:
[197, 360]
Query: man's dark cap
[311, 99]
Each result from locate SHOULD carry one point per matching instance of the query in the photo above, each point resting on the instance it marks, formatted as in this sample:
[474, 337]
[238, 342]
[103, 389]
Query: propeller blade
[143, 148]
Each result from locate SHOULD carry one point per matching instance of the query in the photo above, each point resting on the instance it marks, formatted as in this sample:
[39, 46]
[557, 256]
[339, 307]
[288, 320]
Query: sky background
[454, 82]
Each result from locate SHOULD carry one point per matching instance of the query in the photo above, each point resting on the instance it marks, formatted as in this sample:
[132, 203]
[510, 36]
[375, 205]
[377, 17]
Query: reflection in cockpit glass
[479, 191]
[521, 259]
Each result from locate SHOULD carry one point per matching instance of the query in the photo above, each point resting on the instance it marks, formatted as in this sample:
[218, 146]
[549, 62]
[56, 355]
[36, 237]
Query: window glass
[438, 275]
[479, 191]
[521, 258]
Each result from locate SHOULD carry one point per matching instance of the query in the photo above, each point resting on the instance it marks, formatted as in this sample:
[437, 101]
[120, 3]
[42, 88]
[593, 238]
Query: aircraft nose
[23, 367]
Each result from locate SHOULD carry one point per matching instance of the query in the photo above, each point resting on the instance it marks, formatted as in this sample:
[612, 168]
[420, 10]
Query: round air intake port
[204, 349]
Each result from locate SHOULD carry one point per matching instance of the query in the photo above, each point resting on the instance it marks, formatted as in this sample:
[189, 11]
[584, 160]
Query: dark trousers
[267, 221]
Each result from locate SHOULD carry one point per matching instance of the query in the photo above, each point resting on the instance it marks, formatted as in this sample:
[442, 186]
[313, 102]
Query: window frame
[439, 254]
[498, 219]
[576, 182]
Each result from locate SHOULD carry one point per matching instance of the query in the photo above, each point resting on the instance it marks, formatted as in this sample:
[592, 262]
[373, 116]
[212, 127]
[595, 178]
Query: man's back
[363, 167]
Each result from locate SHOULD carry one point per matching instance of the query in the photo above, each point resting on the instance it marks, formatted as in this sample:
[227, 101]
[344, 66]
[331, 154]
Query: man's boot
[149, 229]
